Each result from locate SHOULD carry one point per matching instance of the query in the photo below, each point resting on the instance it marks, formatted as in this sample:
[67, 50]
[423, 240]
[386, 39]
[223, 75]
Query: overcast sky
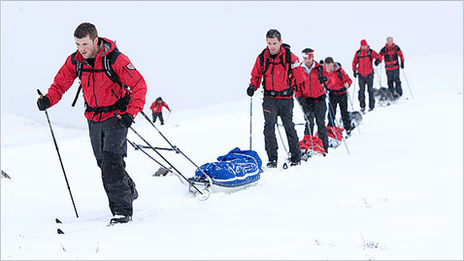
[201, 53]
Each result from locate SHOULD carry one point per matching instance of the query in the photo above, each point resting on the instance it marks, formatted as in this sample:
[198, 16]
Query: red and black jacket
[99, 90]
[307, 81]
[391, 55]
[337, 79]
[157, 107]
[276, 74]
[362, 61]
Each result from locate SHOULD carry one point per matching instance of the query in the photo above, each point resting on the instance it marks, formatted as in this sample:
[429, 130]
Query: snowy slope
[397, 195]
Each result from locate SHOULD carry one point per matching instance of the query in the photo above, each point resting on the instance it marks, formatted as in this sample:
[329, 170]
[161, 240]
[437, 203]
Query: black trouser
[158, 115]
[108, 139]
[316, 109]
[393, 77]
[342, 101]
[284, 108]
[369, 81]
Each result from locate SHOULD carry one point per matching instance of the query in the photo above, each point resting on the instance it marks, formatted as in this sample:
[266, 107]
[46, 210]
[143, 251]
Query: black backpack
[369, 53]
[108, 62]
[288, 59]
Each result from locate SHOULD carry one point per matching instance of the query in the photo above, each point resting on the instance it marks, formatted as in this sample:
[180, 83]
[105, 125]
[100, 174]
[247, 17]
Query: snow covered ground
[397, 195]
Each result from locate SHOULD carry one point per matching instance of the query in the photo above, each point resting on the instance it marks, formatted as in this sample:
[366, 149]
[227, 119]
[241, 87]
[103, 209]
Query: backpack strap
[338, 71]
[369, 53]
[79, 73]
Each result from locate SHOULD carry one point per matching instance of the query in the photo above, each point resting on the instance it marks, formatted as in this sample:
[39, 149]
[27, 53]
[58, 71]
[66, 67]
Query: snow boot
[120, 219]
[272, 164]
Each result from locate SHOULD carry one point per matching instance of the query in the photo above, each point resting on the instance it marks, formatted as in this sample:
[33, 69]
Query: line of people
[283, 76]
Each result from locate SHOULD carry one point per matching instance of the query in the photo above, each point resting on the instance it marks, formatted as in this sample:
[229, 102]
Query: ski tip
[58, 221]
[60, 232]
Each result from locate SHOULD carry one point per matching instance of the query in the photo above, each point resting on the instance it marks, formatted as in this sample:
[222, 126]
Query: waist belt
[342, 90]
[285, 93]
[121, 105]
[317, 99]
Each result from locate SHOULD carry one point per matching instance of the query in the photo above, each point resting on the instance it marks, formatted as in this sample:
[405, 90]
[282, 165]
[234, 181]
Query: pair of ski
[60, 231]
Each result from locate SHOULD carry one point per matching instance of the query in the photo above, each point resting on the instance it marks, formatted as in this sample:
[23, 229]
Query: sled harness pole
[141, 148]
[307, 123]
[335, 123]
[177, 150]
[159, 154]
[251, 122]
[59, 156]
[352, 107]
[407, 82]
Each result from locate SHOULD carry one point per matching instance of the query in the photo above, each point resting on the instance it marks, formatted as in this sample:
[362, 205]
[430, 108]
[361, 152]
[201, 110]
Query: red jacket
[276, 77]
[390, 55]
[335, 83]
[98, 89]
[158, 107]
[307, 80]
[363, 64]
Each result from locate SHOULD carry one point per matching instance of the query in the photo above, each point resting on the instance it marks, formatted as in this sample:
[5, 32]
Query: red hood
[106, 46]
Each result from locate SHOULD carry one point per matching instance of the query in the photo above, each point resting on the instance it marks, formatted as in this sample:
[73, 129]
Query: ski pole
[59, 156]
[168, 116]
[251, 122]
[407, 82]
[159, 154]
[282, 140]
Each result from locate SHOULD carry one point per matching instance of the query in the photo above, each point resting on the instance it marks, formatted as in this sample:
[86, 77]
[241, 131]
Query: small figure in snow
[338, 84]
[362, 67]
[105, 99]
[274, 66]
[311, 94]
[391, 54]
[157, 109]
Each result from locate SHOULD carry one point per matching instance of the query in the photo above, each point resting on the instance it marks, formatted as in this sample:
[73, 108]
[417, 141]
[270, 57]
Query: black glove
[355, 74]
[43, 103]
[251, 90]
[402, 65]
[302, 101]
[322, 79]
[377, 61]
[126, 120]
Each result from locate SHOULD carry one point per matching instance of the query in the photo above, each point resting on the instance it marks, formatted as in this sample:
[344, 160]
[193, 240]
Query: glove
[302, 101]
[323, 79]
[126, 120]
[402, 65]
[43, 103]
[377, 61]
[355, 74]
[251, 90]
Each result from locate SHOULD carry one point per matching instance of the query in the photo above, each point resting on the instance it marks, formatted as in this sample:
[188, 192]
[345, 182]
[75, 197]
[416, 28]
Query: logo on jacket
[130, 66]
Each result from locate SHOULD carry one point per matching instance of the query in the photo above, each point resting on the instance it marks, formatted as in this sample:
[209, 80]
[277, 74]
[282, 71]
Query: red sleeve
[166, 105]
[355, 61]
[376, 55]
[346, 78]
[299, 80]
[256, 74]
[131, 77]
[62, 82]
[400, 53]
[152, 107]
